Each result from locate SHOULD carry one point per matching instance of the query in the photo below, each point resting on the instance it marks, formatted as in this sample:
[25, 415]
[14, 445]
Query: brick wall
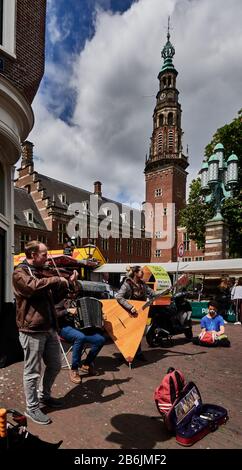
[26, 71]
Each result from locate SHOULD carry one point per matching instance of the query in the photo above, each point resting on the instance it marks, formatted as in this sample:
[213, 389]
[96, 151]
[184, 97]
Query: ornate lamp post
[219, 181]
[219, 178]
[89, 250]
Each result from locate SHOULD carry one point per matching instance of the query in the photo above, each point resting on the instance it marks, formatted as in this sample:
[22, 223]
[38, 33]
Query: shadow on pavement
[93, 391]
[137, 432]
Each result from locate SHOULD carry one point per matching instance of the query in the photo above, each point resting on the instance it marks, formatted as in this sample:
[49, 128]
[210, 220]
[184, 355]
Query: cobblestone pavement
[116, 410]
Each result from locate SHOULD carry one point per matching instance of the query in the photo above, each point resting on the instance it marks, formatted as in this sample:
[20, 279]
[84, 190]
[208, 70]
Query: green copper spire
[168, 52]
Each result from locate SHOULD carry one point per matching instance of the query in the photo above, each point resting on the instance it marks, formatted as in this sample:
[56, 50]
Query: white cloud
[115, 78]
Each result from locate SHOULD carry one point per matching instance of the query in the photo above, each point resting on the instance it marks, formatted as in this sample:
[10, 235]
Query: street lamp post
[219, 180]
[89, 250]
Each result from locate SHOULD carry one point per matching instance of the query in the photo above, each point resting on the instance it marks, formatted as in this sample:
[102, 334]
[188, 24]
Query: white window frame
[29, 215]
[158, 192]
[62, 197]
[9, 28]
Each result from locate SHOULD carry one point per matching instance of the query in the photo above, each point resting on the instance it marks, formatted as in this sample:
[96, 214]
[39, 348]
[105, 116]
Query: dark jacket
[63, 318]
[36, 296]
[130, 290]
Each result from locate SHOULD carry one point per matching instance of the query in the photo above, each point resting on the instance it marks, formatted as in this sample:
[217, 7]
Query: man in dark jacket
[36, 296]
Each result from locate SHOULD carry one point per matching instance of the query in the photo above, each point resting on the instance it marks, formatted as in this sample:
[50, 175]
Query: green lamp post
[219, 179]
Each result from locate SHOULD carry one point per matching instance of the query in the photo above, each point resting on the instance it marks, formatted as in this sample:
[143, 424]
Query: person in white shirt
[236, 297]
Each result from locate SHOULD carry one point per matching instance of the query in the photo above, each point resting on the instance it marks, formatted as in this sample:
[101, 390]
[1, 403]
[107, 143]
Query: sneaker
[37, 416]
[51, 402]
[88, 369]
[75, 377]
[225, 322]
[237, 323]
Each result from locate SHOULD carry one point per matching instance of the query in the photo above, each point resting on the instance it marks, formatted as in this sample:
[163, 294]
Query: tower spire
[168, 51]
[168, 29]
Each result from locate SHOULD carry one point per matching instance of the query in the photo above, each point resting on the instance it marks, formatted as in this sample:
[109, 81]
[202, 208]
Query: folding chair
[64, 353]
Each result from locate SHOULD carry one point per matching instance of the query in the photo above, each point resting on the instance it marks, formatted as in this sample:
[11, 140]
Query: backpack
[169, 390]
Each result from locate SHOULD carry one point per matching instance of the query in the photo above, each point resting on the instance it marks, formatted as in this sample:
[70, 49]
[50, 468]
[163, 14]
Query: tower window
[159, 141]
[170, 140]
[170, 119]
[164, 81]
[169, 80]
[158, 192]
[165, 211]
[161, 119]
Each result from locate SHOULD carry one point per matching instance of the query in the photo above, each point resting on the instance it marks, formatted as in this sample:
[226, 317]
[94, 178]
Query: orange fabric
[125, 331]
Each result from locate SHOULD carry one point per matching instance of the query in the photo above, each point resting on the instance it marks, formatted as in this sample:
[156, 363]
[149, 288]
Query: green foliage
[232, 213]
[230, 136]
[196, 214]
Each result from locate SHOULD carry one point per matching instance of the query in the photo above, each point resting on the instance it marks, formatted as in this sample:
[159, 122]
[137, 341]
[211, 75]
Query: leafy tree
[232, 213]
[196, 214]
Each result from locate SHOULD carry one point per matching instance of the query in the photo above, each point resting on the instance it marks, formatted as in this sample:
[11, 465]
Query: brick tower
[165, 169]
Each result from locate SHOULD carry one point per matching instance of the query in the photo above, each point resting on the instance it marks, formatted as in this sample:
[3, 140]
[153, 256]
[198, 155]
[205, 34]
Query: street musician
[74, 331]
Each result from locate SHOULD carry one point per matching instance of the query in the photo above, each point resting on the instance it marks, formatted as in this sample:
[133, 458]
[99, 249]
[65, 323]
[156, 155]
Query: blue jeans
[79, 339]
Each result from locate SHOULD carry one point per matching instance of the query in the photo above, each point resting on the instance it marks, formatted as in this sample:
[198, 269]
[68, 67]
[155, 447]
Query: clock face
[162, 96]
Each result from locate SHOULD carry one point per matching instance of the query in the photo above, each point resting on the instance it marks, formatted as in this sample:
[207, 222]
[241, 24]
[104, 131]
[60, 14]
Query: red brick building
[51, 217]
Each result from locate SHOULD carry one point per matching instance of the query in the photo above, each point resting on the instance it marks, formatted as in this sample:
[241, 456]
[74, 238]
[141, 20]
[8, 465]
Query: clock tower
[165, 168]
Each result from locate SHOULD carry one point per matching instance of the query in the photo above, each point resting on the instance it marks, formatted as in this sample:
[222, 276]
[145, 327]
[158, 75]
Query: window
[29, 215]
[165, 211]
[157, 253]
[170, 119]
[24, 238]
[169, 80]
[129, 246]
[104, 244]
[147, 249]
[7, 26]
[187, 258]
[42, 239]
[118, 245]
[186, 241]
[61, 231]
[159, 141]
[62, 198]
[161, 120]
[158, 192]
[199, 258]
[170, 140]
[158, 234]
[138, 247]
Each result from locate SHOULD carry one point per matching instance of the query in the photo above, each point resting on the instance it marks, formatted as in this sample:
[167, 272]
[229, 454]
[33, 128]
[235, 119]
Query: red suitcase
[190, 419]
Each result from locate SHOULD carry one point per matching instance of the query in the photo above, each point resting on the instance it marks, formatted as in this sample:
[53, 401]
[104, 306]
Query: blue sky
[93, 111]
[74, 26]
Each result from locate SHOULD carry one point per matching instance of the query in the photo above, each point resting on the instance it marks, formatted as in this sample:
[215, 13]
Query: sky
[93, 111]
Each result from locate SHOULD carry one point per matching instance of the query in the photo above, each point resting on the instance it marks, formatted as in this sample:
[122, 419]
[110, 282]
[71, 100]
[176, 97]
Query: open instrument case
[190, 419]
